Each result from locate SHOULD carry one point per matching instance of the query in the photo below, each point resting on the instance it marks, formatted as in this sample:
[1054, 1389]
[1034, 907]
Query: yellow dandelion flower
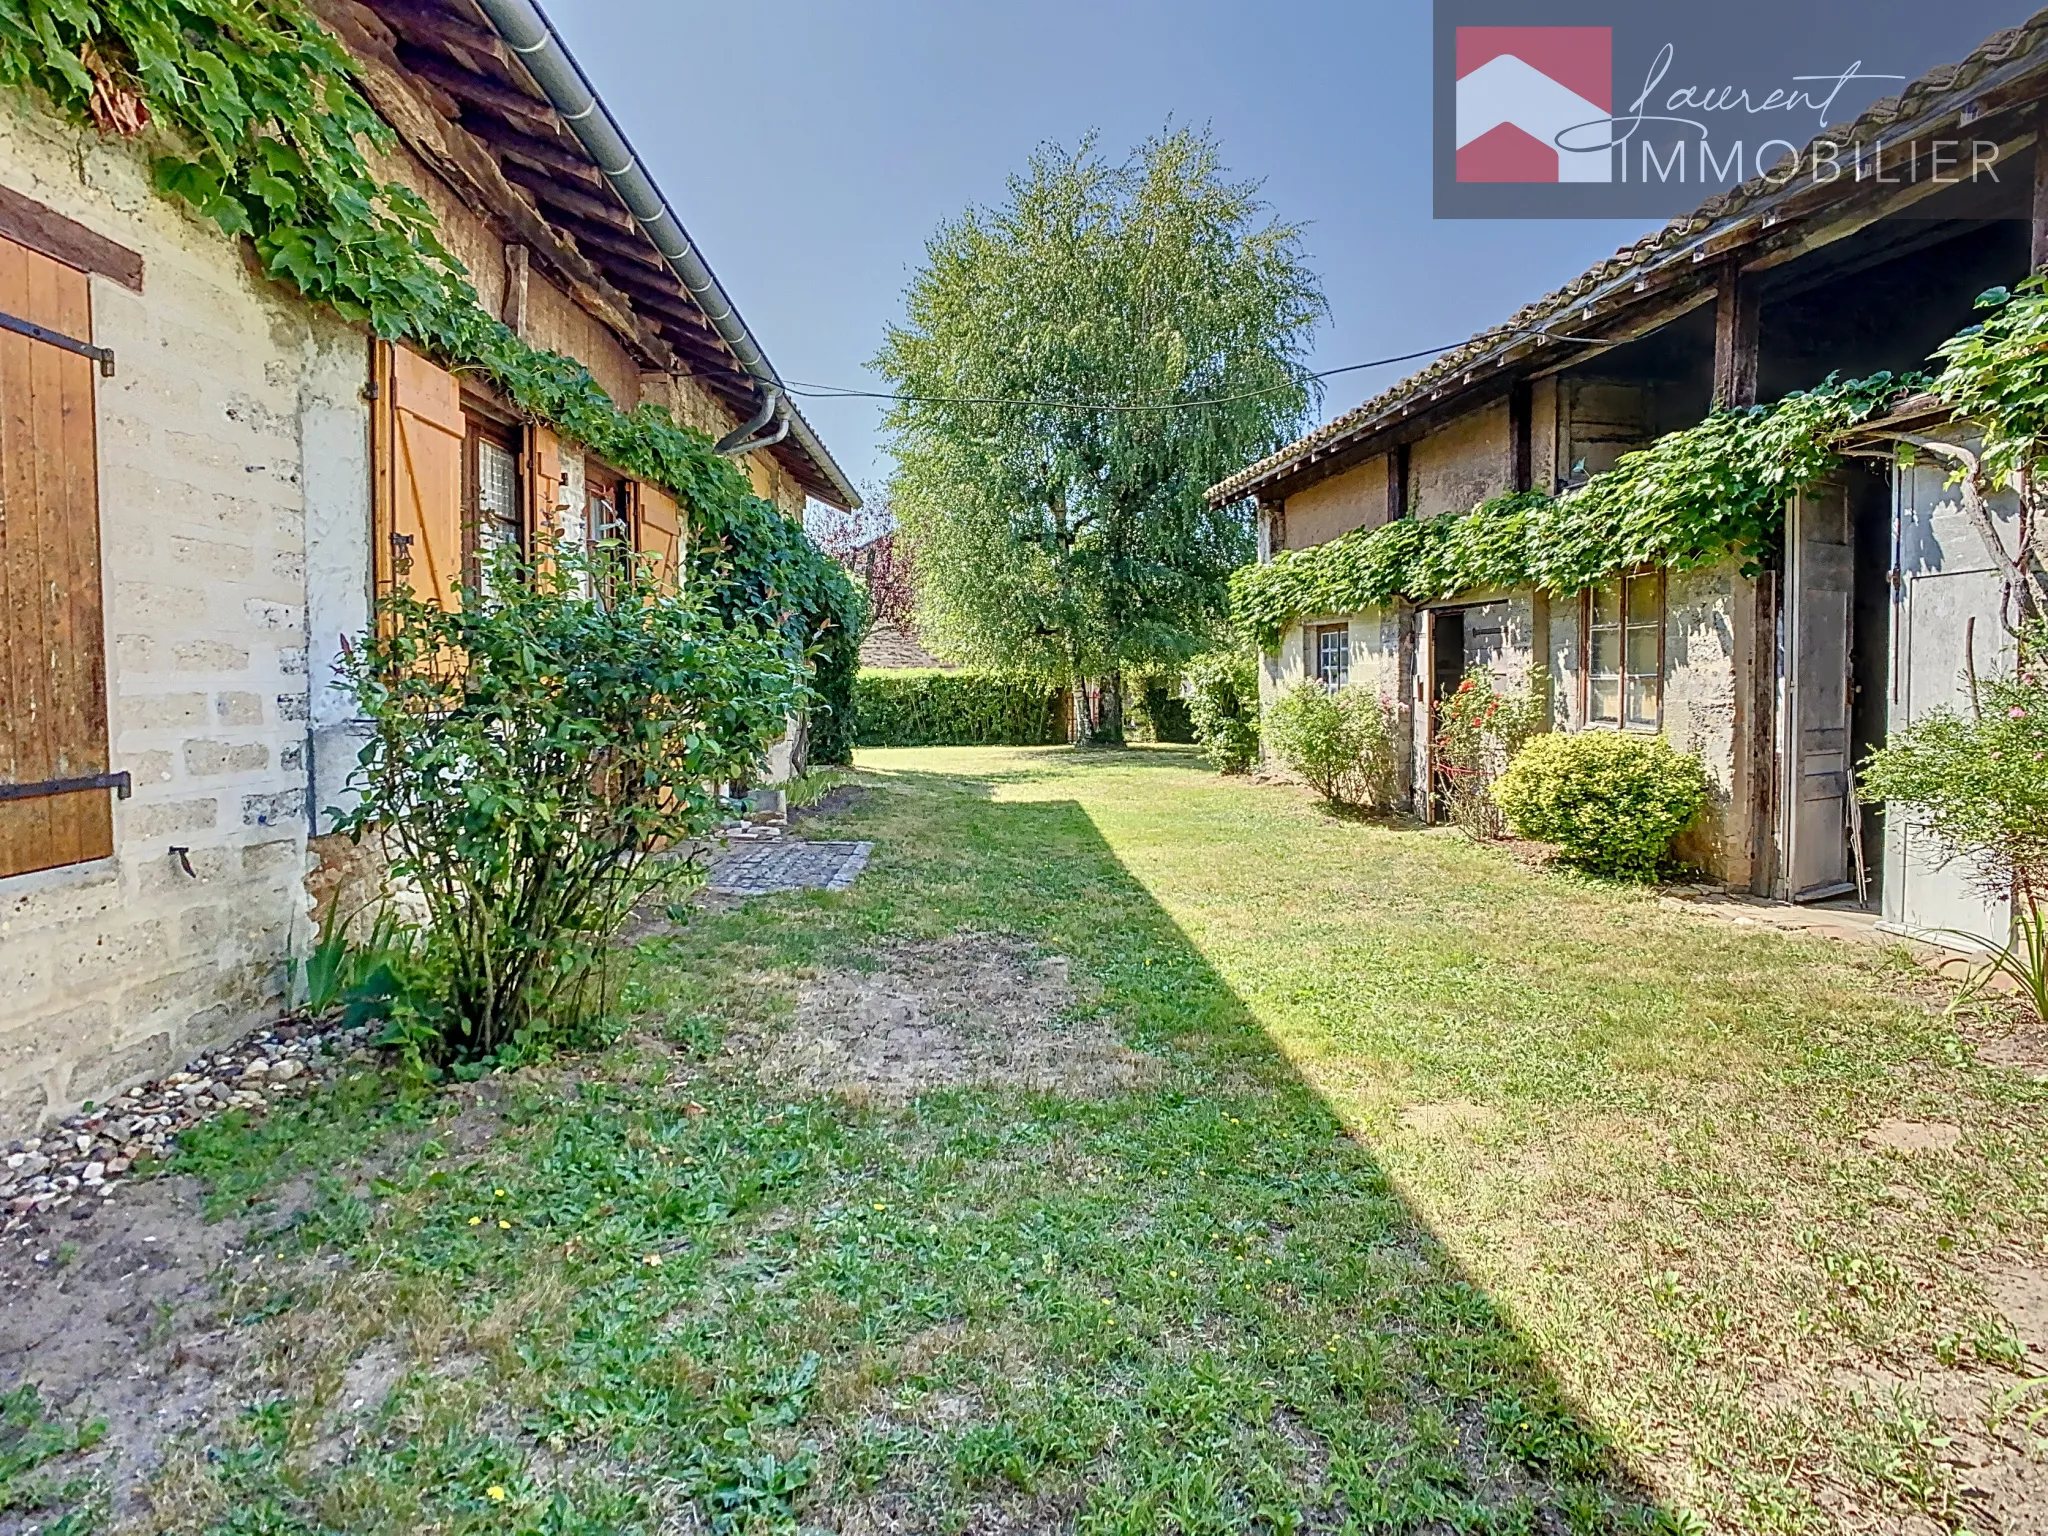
[881, 1205]
[499, 1193]
[495, 1493]
[475, 1221]
[505, 1226]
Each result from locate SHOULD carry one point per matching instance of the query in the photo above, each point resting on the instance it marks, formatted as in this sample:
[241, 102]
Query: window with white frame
[1625, 652]
[1330, 652]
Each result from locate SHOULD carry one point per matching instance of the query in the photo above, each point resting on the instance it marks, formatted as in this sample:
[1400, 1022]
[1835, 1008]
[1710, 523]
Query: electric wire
[815, 391]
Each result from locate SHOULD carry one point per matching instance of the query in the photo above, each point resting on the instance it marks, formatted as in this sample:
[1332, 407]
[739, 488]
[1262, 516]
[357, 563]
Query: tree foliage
[1074, 542]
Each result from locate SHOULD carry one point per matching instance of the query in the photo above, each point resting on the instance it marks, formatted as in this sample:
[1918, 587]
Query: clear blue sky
[810, 146]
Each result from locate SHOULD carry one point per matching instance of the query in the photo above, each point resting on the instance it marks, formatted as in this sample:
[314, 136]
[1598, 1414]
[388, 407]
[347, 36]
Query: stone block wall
[117, 969]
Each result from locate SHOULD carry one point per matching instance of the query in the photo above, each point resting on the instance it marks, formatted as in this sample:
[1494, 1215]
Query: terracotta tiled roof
[1721, 224]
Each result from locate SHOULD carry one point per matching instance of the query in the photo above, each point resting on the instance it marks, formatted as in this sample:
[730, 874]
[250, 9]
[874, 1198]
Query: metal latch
[117, 782]
[104, 356]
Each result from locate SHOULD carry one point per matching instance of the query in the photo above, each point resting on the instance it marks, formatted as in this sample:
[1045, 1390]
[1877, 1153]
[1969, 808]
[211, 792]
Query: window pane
[1603, 701]
[1642, 701]
[1643, 642]
[1333, 656]
[1646, 598]
[497, 487]
[1607, 604]
[1605, 660]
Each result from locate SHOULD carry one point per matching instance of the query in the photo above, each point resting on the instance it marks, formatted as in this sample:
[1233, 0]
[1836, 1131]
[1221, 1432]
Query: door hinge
[104, 356]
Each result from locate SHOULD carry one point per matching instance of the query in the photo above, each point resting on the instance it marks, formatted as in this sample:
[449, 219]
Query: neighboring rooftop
[1633, 290]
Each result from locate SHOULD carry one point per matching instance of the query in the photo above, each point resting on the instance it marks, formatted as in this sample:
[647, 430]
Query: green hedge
[954, 709]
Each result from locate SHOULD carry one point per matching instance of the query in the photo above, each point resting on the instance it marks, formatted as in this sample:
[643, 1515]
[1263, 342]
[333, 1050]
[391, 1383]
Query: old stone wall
[1460, 464]
[117, 969]
[1334, 507]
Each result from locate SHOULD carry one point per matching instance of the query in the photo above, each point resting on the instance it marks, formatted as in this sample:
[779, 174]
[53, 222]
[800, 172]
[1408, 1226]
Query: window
[1625, 652]
[1331, 653]
[492, 470]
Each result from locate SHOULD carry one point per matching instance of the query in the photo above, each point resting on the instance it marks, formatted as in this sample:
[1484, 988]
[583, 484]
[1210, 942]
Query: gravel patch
[76, 1167]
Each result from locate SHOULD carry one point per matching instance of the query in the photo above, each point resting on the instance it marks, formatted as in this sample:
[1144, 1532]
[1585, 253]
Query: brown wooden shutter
[419, 476]
[543, 489]
[658, 531]
[53, 679]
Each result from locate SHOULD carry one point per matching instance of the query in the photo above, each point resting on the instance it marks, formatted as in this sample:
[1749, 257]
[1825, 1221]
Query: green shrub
[927, 708]
[528, 755]
[1158, 712]
[1977, 784]
[1344, 744]
[1610, 802]
[1223, 708]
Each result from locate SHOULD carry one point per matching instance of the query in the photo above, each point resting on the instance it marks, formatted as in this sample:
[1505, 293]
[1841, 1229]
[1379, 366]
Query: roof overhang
[1753, 228]
[452, 82]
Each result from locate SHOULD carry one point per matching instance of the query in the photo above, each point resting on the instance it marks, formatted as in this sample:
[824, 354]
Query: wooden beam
[27, 222]
[460, 83]
[1736, 310]
[551, 193]
[470, 170]
[640, 252]
[541, 154]
[414, 20]
[2040, 205]
[518, 268]
[1521, 417]
[1397, 482]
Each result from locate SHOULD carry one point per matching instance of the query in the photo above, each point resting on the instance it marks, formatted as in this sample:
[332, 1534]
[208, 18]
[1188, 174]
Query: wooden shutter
[53, 680]
[419, 476]
[543, 471]
[658, 532]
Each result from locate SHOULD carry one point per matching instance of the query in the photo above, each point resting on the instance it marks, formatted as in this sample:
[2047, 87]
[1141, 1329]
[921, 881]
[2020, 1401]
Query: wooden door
[53, 683]
[1945, 626]
[1819, 611]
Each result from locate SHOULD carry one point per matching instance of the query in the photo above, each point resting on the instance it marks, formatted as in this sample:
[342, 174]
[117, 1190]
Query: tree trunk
[1099, 711]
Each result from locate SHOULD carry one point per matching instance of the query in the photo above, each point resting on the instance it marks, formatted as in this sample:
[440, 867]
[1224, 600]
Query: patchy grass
[1463, 1197]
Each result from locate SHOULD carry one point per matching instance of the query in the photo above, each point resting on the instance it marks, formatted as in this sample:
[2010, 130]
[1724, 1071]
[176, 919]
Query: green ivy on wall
[1688, 499]
[260, 126]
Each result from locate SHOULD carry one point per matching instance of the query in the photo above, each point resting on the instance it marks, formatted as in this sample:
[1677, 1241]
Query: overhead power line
[813, 391]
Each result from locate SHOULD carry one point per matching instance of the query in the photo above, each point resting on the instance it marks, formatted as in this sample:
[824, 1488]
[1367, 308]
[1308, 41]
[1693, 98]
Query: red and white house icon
[1520, 88]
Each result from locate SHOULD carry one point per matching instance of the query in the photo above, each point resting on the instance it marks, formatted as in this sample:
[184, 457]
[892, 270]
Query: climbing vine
[1689, 498]
[260, 128]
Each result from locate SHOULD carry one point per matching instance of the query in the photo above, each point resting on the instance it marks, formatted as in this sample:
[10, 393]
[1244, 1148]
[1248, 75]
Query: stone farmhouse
[1781, 682]
[204, 478]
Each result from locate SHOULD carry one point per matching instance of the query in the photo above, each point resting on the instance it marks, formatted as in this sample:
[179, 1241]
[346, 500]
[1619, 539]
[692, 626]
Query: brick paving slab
[787, 864]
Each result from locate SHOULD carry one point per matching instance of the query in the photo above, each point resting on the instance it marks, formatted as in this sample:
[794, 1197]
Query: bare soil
[967, 1010]
[118, 1318]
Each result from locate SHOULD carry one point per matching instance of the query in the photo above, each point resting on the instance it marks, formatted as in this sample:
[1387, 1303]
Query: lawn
[1323, 1176]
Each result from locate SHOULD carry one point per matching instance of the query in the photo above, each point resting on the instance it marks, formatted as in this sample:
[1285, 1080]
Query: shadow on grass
[1250, 1245]
[677, 1292]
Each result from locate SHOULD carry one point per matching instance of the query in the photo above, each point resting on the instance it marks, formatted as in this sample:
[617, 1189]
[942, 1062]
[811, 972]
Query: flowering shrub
[1610, 802]
[1344, 744]
[529, 754]
[1478, 729]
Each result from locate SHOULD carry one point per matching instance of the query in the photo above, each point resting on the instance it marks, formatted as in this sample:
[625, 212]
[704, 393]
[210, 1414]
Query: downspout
[746, 437]
[528, 33]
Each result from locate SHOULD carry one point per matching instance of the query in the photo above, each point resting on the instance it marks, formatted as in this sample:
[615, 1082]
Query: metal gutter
[532, 37]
